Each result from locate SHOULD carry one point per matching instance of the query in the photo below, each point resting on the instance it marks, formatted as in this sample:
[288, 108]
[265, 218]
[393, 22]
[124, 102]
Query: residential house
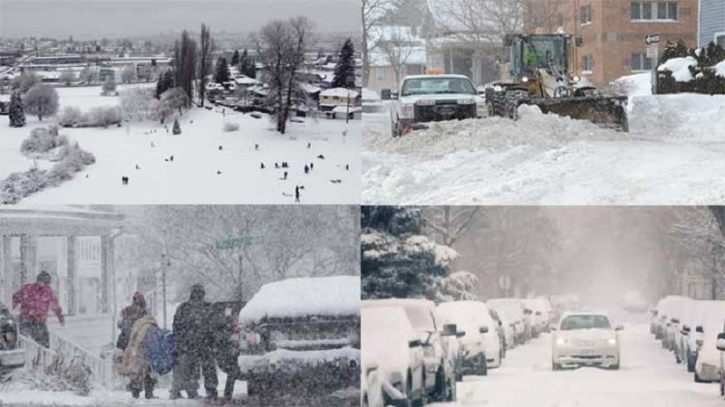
[331, 98]
[396, 51]
[712, 22]
[613, 32]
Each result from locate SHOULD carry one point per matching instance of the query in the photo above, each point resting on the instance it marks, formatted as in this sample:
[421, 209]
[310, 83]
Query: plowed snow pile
[673, 155]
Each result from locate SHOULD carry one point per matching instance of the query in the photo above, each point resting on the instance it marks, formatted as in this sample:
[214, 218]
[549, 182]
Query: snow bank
[299, 297]
[635, 85]
[720, 69]
[684, 115]
[680, 68]
[290, 358]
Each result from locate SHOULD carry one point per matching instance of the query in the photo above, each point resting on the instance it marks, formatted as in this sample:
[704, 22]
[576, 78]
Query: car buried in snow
[440, 364]
[297, 330]
[585, 339]
[11, 356]
[422, 99]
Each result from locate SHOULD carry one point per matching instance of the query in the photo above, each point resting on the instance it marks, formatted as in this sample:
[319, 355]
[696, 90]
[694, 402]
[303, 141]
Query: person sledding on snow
[35, 300]
[135, 363]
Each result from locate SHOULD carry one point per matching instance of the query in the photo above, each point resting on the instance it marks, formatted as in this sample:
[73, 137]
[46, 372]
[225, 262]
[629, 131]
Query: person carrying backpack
[135, 363]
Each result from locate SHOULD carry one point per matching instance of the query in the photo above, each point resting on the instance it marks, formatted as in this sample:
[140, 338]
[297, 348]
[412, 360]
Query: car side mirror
[686, 328]
[460, 334]
[385, 94]
[619, 328]
[720, 344]
[699, 329]
[483, 330]
[416, 343]
[675, 321]
[449, 330]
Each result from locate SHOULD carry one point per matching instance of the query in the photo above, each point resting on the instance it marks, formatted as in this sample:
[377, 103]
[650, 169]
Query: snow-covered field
[648, 377]
[672, 155]
[200, 172]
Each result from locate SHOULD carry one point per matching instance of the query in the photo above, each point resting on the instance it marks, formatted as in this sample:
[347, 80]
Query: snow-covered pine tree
[177, 128]
[17, 113]
[398, 261]
[345, 69]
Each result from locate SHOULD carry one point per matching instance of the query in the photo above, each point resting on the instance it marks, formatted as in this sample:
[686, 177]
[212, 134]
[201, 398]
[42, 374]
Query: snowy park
[203, 164]
[672, 154]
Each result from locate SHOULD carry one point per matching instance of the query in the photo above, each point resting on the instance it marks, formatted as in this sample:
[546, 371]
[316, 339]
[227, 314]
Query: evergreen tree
[246, 65]
[235, 58]
[345, 69]
[221, 74]
[398, 260]
[177, 128]
[166, 82]
[17, 113]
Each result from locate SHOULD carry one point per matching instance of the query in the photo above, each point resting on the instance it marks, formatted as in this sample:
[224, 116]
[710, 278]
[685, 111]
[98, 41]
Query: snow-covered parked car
[440, 366]
[537, 315]
[634, 302]
[585, 339]
[11, 356]
[676, 313]
[432, 98]
[707, 366]
[505, 332]
[390, 343]
[306, 328]
[697, 318]
[514, 312]
[668, 311]
[479, 340]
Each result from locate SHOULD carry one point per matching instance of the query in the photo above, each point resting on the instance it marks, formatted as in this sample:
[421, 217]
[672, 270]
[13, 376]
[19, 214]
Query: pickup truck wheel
[483, 368]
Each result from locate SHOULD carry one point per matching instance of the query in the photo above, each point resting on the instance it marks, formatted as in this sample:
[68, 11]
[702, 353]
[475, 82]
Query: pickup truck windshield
[437, 86]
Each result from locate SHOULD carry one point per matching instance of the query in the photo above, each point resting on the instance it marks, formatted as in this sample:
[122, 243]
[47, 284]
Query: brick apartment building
[613, 31]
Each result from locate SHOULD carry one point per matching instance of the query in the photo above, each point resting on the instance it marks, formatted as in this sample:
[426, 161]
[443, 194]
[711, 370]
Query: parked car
[472, 355]
[676, 311]
[514, 311]
[306, 328]
[693, 324]
[585, 339]
[537, 315]
[391, 345]
[440, 366]
[475, 317]
[708, 362]
[507, 324]
[11, 356]
[667, 309]
[501, 329]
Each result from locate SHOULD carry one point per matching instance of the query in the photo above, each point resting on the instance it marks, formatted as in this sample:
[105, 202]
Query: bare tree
[280, 46]
[549, 15]
[450, 223]
[396, 45]
[372, 11]
[205, 57]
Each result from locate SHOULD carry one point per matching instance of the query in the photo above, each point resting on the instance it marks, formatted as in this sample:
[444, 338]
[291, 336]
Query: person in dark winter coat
[35, 300]
[192, 333]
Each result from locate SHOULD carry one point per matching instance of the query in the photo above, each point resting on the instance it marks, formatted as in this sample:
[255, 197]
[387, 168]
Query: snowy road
[672, 155]
[649, 377]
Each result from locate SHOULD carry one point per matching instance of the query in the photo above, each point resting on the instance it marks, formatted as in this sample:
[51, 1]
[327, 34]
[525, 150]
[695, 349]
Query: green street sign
[239, 242]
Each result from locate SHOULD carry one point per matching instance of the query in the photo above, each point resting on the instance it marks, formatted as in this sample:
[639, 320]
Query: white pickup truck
[432, 98]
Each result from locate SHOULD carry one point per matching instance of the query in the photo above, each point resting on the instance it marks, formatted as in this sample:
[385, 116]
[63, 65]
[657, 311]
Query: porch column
[24, 257]
[72, 306]
[5, 270]
[107, 270]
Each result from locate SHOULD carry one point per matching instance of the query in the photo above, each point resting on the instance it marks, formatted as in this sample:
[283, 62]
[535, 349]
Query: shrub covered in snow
[71, 116]
[41, 100]
[42, 140]
[109, 87]
[228, 126]
[104, 116]
[137, 103]
[691, 70]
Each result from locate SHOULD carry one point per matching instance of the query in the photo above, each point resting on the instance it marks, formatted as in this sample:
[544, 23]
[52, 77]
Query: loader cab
[540, 51]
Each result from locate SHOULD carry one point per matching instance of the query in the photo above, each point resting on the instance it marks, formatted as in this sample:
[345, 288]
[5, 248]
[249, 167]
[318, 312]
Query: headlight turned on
[612, 341]
[561, 342]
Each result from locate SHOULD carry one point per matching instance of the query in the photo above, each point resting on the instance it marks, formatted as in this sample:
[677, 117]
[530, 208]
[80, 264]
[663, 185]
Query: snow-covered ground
[672, 155]
[200, 172]
[648, 377]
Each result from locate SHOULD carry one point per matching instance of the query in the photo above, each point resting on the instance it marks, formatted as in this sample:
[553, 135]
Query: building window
[380, 73]
[655, 11]
[586, 14]
[640, 62]
[588, 64]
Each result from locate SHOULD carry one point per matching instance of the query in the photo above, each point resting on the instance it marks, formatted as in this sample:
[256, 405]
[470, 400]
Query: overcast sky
[129, 18]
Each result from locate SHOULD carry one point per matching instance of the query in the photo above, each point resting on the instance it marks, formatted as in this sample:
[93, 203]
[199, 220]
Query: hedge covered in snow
[45, 144]
[691, 70]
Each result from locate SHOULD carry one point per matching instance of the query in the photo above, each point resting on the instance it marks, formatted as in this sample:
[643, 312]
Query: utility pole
[164, 266]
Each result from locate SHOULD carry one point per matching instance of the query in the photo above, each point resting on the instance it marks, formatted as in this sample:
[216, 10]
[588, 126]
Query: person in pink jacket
[35, 300]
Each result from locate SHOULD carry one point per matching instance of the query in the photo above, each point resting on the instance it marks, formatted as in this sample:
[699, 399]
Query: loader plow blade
[609, 112]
